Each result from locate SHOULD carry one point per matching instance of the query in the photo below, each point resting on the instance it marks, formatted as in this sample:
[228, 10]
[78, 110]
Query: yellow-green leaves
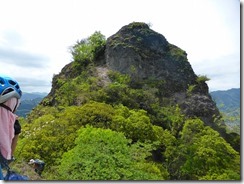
[102, 154]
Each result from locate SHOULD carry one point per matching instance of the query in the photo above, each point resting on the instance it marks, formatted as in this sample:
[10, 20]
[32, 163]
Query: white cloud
[38, 33]
[21, 58]
[224, 72]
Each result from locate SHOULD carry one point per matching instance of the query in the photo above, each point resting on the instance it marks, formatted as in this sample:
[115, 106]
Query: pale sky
[35, 35]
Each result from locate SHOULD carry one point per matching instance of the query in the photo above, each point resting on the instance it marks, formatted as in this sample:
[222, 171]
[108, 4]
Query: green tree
[171, 118]
[207, 155]
[87, 50]
[96, 114]
[102, 154]
[135, 124]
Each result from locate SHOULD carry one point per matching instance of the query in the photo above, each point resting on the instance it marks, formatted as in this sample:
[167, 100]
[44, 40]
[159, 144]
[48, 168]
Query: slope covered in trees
[229, 103]
[103, 123]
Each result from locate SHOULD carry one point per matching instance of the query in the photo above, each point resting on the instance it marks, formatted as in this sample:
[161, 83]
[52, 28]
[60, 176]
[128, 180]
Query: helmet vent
[12, 82]
[7, 91]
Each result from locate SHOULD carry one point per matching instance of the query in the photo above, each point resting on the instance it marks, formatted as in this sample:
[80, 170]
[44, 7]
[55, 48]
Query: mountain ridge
[141, 93]
[28, 102]
[158, 62]
[229, 103]
[230, 97]
[33, 95]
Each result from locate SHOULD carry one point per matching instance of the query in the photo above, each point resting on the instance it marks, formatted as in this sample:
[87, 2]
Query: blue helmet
[9, 88]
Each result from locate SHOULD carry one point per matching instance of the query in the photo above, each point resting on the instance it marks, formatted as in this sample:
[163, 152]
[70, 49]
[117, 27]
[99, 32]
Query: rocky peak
[148, 58]
[145, 54]
[139, 35]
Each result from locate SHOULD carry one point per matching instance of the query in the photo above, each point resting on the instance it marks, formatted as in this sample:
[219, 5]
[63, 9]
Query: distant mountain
[28, 102]
[31, 96]
[228, 102]
[227, 99]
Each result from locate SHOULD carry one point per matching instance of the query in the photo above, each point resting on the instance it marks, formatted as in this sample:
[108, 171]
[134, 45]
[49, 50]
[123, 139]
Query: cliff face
[145, 54]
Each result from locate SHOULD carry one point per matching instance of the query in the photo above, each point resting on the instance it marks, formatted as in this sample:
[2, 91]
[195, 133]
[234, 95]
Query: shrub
[102, 154]
[202, 78]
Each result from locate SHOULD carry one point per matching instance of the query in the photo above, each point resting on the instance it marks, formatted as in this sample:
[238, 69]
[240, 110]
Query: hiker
[38, 165]
[10, 94]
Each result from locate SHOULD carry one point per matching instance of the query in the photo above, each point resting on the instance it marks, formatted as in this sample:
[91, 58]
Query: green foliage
[171, 154]
[177, 53]
[117, 77]
[49, 145]
[192, 128]
[134, 124]
[190, 89]
[202, 78]
[45, 143]
[137, 25]
[67, 93]
[78, 90]
[200, 153]
[206, 154]
[96, 114]
[125, 130]
[171, 118]
[87, 50]
[106, 155]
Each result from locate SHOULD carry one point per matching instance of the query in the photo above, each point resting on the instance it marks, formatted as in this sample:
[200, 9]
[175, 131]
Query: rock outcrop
[146, 56]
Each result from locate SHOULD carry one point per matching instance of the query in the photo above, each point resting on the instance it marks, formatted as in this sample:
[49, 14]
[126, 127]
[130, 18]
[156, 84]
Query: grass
[24, 168]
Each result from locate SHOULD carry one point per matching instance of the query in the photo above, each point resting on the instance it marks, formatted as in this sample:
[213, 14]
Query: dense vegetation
[90, 129]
